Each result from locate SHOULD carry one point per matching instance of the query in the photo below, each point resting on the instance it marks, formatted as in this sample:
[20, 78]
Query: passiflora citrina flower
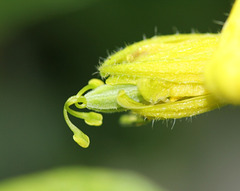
[159, 78]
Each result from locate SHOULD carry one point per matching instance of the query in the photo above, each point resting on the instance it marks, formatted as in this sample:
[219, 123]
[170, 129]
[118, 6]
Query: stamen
[79, 137]
[131, 119]
[183, 108]
[90, 118]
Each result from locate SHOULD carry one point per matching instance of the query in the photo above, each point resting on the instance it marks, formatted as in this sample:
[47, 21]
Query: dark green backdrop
[50, 49]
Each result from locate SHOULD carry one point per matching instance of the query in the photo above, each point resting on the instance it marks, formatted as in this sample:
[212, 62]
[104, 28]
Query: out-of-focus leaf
[14, 14]
[80, 179]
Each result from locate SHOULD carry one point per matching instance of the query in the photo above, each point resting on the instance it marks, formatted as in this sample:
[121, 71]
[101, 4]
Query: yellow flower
[159, 78]
[223, 72]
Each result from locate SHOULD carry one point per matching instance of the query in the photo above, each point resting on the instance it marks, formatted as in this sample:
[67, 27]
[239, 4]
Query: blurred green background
[50, 49]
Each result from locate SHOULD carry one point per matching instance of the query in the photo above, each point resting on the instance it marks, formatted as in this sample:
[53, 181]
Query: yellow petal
[223, 73]
[154, 91]
[175, 58]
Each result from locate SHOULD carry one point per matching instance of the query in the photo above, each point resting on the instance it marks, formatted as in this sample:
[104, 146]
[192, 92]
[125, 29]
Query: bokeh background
[50, 49]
